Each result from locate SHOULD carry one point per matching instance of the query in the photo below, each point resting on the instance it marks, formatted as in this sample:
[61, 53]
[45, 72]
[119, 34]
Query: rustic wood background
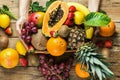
[112, 7]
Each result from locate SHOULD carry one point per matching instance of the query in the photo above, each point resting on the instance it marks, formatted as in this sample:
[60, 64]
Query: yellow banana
[79, 7]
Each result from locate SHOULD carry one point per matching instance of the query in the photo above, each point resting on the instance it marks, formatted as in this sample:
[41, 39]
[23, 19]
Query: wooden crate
[112, 7]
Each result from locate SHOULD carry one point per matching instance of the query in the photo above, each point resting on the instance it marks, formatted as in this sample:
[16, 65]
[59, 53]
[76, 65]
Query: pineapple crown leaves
[87, 55]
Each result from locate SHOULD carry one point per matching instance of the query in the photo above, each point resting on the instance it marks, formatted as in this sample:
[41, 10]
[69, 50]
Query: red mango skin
[37, 18]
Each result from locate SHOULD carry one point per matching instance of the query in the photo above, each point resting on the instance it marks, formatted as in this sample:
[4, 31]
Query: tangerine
[107, 31]
[81, 72]
[56, 46]
[9, 58]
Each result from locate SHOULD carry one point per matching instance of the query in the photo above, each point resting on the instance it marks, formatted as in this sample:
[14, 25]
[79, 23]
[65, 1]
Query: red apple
[37, 18]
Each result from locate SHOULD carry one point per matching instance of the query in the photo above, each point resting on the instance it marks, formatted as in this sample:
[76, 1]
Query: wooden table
[112, 7]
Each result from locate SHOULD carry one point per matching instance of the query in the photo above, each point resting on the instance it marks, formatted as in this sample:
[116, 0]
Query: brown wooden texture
[112, 7]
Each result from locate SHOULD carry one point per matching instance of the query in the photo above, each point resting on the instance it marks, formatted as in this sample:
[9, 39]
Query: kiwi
[3, 40]
[64, 31]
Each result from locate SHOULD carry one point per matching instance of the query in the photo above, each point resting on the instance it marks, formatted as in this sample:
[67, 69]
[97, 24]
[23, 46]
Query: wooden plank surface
[112, 7]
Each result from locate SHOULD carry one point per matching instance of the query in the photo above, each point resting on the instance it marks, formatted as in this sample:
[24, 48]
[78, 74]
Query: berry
[8, 30]
[28, 39]
[23, 31]
[23, 61]
[108, 44]
[31, 49]
[70, 15]
[72, 8]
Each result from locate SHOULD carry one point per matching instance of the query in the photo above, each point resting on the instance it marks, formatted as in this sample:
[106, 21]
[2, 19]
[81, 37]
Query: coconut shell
[39, 41]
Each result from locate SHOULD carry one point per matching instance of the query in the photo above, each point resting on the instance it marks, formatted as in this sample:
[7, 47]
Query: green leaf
[5, 8]
[98, 72]
[48, 3]
[96, 19]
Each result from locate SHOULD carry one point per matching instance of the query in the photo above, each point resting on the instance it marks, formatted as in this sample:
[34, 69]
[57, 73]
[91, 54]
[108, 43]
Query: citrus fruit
[21, 48]
[78, 17]
[56, 46]
[4, 20]
[9, 58]
[107, 31]
[89, 32]
[81, 72]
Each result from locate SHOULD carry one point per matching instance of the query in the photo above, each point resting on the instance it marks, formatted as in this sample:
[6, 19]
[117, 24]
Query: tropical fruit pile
[64, 32]
[62, 27]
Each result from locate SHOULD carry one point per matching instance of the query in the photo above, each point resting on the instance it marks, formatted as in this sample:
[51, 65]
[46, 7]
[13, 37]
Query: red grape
[28, 39]
[23, 31]
[34, 29]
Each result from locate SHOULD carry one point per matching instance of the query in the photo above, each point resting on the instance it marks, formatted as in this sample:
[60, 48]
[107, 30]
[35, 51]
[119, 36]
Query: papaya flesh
[54, 17]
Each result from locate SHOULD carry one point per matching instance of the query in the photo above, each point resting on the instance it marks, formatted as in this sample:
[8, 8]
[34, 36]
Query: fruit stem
[60, 78]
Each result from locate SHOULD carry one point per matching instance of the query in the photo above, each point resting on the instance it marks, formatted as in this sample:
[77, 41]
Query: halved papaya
[54, 17]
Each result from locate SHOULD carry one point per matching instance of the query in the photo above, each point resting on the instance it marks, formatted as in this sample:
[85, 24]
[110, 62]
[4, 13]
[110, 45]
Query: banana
[79, 7]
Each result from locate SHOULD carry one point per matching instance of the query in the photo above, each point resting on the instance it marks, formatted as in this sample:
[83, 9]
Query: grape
[56, 66]
[52, 68]
[45, 65]
[66, 74]
[23, 31]
[49, 78]
[58, 71]
[26, 23]
[31, 24]
[28, 28]
[42, 56]
[34, 29]
[62, 66]
[23, 37]
[41, 61]
[28, 39]
[54, 77]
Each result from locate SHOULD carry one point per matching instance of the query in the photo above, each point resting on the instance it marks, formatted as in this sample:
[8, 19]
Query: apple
[37, 18]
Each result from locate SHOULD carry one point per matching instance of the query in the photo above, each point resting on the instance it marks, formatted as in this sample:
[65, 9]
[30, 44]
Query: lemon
[89, 32]
[9, 58]
[4, 20]
[78, 17]
[21, 48]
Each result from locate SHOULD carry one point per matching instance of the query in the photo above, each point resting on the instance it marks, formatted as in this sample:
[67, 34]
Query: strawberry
[9, 31]
[72, 9]
[31, 49]
[23, 62]
[108, 43]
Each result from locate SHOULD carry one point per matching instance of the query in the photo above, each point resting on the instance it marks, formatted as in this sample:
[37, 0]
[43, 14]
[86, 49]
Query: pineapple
[76, 37]
[96, 66]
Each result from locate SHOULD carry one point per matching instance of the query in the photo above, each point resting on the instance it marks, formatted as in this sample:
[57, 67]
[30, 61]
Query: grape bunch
[52, 70]
[27, 30]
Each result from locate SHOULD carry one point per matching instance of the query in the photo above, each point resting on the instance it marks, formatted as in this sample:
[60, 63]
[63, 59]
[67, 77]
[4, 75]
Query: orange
[56, 46]
[9, 58]
[107, 31]
[82, 73]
